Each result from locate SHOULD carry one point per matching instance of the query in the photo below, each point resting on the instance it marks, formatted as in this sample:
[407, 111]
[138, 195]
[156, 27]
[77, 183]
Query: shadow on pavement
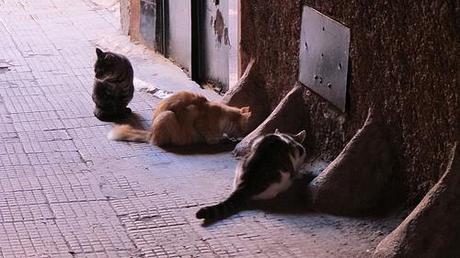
[201, 148]
[294, 201]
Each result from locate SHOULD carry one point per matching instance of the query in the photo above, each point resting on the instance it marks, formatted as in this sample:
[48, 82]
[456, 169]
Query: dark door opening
[200, 36]
[212, 43]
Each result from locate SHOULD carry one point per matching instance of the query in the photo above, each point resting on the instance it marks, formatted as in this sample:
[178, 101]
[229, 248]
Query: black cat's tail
[233, 204]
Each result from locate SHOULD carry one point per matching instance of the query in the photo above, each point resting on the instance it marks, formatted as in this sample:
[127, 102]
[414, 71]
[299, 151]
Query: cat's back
[262, 166]
[269, 145]
[180, 101]
[267, 153]
[122, 59]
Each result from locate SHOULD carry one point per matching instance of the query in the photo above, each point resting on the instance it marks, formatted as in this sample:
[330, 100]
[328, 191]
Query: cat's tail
[233, 204]
[128, 133]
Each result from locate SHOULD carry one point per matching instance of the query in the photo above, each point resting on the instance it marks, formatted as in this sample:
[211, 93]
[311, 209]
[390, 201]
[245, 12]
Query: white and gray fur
[113, 85]
[267, 170]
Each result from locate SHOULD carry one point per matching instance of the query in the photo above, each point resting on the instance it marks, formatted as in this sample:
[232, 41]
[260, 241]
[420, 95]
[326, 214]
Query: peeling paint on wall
[215, 43]
[219, 26]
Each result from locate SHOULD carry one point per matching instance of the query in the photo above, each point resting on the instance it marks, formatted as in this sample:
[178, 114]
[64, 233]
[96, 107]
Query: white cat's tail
[128, 133]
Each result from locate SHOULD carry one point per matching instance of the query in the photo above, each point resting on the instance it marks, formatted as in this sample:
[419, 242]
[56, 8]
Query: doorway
[200, 36]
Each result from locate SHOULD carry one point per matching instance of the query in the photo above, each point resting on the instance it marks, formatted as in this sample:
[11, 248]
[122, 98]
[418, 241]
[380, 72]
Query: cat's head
[295, 142]
[299, 137]
[106, 63]
[245, 115]
[234, 121]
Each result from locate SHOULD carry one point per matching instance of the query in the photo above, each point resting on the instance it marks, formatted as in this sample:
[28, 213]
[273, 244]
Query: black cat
[113, 86]
[266, 171]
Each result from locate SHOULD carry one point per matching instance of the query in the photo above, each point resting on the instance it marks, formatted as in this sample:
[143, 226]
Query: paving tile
[82, 209]
[32, 212]
[40, 170]
[20, 184]
[23, 197]
[32, 238]
[88, 234]
[32, 103]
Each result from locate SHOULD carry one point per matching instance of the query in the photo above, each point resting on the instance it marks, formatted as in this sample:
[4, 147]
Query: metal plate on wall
[323, 61]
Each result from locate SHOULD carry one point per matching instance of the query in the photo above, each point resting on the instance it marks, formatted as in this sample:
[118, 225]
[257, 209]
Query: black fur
[231, 205]
[113, 85]
[261, 168]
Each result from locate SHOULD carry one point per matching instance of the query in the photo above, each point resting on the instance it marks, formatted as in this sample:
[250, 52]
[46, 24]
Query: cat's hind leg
[161, 134]
[167, 130]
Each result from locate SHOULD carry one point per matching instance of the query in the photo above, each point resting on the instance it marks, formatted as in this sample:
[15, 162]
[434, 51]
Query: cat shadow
[296, 200]
[225, 146]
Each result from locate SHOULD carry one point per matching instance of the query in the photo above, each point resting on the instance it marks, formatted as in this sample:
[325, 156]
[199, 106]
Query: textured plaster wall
[404, 59]
[125, 16]
[130, 18]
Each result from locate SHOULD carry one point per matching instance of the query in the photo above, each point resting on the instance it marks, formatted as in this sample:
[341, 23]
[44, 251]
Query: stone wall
[403, 60]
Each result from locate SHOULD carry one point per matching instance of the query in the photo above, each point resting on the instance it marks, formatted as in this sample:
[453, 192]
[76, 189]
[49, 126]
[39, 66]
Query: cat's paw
[101, 115]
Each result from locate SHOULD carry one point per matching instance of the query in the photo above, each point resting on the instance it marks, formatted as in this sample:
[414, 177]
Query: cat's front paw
[101, 115]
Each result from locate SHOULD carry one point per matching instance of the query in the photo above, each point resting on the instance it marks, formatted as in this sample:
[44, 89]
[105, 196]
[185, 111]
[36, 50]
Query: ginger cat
[186, 118]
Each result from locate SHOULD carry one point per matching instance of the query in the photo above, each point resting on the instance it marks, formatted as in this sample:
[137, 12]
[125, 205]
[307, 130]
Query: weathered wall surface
[130, 18]
[403, 59]
[125, 16]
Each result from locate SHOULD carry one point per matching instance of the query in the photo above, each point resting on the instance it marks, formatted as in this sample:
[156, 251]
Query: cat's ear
[300, 137]
[277, 131]
[100, 54]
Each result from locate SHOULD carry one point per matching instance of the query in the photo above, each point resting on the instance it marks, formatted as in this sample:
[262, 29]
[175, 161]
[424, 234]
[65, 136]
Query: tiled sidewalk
[65, 190]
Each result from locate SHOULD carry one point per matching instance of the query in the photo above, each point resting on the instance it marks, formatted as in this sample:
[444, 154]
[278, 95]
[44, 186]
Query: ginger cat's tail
[128, 133]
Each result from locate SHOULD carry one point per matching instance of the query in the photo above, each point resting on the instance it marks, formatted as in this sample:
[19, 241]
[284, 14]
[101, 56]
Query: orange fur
[186, 118]
[128, 133]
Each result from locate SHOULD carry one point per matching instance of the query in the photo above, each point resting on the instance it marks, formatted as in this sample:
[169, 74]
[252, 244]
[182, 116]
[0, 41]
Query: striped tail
[128, 133]
[233, 204]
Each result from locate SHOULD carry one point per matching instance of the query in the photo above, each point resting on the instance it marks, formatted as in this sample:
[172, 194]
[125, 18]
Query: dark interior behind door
[211, 42]
[193, 33]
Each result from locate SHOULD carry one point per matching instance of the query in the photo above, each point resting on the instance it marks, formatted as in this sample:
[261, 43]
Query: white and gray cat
[269, 169]
[113, 85]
